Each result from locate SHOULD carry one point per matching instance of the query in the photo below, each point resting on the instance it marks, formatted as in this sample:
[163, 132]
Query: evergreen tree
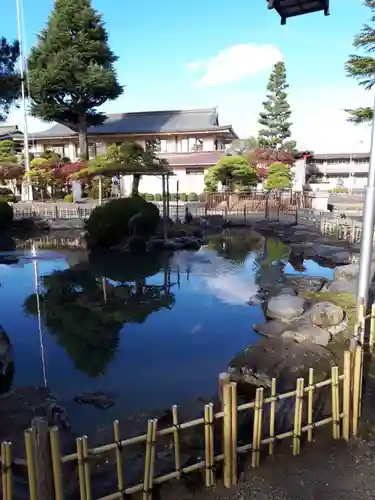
[276, 133]
[71, 70]
[362, 67]
[9, 78]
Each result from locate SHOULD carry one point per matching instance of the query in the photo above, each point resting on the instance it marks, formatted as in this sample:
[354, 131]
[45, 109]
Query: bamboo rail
[342, 394]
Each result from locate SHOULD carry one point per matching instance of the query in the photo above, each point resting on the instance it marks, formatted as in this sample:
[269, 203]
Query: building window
[163, 146]
[195, 144]
[185, 145]
[194, 171]
[60, 149]
[92, 150]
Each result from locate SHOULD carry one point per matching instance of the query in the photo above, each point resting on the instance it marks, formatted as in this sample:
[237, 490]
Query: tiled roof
[199, 159]
[7, 130]
[147, 122]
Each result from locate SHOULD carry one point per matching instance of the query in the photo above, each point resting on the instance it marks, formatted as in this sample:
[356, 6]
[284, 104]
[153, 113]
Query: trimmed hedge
[108, 224]
[6, 216]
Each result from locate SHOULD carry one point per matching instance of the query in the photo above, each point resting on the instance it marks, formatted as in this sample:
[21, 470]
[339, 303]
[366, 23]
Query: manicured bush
[202, 197]
[192, 197]
[183, 197]
[6, 215]
[339, 189]
[7, 195]
[158, 197]
[68, 198]
[149, 197]
[108, 224]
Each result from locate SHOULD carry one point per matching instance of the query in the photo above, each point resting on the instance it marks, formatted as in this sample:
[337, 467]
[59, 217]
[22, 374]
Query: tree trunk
[82, 139]
[135, 184]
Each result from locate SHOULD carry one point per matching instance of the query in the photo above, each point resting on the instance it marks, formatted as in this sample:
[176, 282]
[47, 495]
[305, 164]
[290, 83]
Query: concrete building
[191, 141]
[349, 170]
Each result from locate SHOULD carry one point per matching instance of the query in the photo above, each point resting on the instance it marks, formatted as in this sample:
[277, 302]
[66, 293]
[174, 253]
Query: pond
[154, 332]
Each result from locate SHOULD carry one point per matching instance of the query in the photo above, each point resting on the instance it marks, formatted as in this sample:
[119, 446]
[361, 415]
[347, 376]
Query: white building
[348, 170]
[191, 141]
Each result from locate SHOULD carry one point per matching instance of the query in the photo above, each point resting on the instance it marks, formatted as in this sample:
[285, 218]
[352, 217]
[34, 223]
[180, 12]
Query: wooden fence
[45, 463]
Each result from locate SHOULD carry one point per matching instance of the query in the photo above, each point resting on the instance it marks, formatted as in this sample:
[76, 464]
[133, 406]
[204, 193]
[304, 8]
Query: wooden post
[346, 397]
[224, 379]
[42, 458]
[227, 426]
[165, 220]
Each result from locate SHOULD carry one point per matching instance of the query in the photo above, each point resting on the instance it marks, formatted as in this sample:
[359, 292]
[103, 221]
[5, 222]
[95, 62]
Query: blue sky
[177, 55]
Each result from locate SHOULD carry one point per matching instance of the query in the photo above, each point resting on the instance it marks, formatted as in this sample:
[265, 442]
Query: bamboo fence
[345, 395]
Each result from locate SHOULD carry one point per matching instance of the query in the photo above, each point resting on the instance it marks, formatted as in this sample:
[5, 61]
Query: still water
[154, 332]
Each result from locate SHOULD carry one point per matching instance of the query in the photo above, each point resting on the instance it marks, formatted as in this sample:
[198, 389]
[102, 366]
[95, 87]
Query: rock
[348, 272]
[343, 286]
[287, 290]
[303, 284]
[99, 399]
[341, 327]
[311, 333]
[342, 257]
[271, 329]
[282, 359]
[301, 236]
[326, 314]
[285, 307]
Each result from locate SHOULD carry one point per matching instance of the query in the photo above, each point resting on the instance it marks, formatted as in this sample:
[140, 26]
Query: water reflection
[155, 331]
[86, 306]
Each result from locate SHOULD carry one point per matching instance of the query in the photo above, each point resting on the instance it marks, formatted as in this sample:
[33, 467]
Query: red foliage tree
[262, 158]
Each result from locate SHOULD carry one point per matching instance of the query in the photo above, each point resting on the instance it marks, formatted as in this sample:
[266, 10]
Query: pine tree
[9, 78]
[362, 68]
[276, 133]
[71, 69]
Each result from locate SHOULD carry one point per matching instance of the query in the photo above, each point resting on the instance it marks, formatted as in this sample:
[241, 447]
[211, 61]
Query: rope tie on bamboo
[5, 468]
[119, 445]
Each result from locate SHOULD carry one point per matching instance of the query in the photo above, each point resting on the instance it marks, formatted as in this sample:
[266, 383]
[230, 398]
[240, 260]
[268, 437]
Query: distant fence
[45, 464]
[52, 211]
[331, 225]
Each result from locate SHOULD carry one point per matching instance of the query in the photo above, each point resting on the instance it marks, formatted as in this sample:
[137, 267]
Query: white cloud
[235, 63]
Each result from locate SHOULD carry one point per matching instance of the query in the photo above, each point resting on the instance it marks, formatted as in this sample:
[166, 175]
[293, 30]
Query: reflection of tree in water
[235, 244]
[86, 312]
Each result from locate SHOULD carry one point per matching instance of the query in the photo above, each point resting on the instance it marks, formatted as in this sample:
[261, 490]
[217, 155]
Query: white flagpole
[29, 193]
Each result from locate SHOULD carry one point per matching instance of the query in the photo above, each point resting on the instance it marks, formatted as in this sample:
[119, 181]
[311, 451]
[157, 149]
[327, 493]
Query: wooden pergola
[293, 8]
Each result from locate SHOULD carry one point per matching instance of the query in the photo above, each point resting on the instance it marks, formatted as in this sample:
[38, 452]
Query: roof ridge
[164, 111]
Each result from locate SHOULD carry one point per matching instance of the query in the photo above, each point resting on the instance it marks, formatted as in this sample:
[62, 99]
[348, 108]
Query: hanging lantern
[292, 8]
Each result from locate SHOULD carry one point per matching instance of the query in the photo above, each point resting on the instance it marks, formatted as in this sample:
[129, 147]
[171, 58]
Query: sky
[201, 54]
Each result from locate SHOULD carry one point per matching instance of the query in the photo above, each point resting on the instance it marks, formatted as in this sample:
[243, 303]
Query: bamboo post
[298, 411]
[42, 458]
[233, 402]
[56, 463]
[4, 477]
[81, 469]
[86, 467]
[256, 427]
[224, 379]
[30, 465]
[271, 446]
[208, 446]
[361, 321]
[149, 460]
[120, 473]
[176, 441]
[357, 382]
[372, 329]
[227, 422]
[346, 397]
[335, 402]
[310, 405]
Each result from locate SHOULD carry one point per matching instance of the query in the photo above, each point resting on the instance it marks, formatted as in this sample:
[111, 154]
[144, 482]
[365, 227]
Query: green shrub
[339, 189]
[202, 197]
[158, 197]
[183, 197]
[149, 197]
[108, 224]
[7, 195]
[6, 215]
[192, 197]
[68, 198]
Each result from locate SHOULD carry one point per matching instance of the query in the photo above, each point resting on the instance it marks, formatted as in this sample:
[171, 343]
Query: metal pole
[368, 223]
[24, 110]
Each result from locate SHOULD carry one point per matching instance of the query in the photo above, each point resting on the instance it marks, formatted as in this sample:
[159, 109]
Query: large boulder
[348, 272]
[343, 286]
[310, 333]
[303, 284]
[271, 329]
[285, 307]
[283, 359]
[326, 314]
